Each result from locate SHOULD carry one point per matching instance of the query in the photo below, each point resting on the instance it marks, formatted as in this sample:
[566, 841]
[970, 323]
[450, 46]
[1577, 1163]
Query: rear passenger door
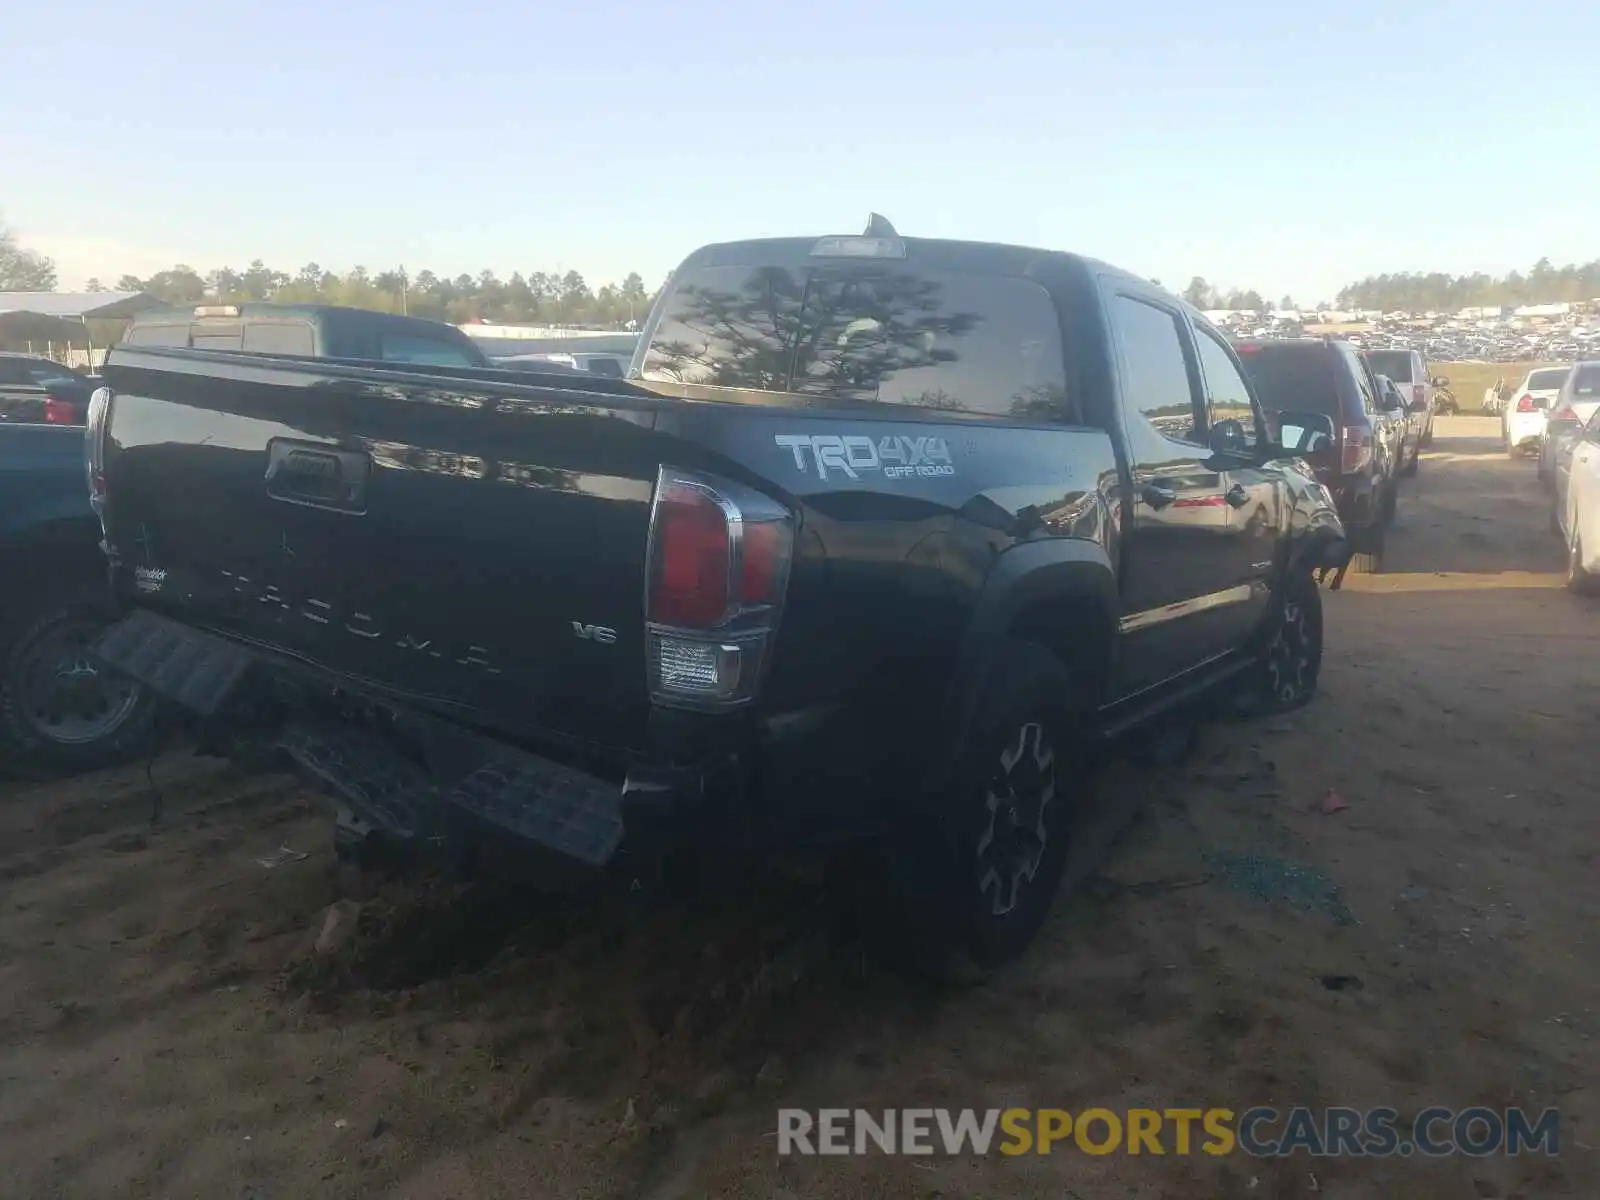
[1253, 491]
[1175, 568]
[1377, 422]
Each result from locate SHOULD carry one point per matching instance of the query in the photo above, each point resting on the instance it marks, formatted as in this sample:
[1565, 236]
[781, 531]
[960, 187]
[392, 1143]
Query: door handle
[1237, 496]
[1157, 496]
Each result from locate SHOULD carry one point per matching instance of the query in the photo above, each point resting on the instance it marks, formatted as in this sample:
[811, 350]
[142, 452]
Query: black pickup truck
[876, 537]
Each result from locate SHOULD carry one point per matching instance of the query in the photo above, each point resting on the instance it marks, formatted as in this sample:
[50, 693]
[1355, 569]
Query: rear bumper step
[377, 791]
[375, 788]
[194, 670]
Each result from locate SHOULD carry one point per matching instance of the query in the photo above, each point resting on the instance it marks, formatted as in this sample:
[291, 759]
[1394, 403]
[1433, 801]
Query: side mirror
[1303, 433]
[1439, 381]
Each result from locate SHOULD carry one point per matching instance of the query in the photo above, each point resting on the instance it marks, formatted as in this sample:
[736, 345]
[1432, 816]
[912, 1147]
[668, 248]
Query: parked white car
[1528, 407]
[1578, 512]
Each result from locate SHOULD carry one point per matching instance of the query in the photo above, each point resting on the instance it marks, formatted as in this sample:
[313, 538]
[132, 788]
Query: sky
[1285, 147]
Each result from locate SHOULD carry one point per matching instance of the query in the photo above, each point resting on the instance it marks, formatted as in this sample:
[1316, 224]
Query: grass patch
[1468, 380]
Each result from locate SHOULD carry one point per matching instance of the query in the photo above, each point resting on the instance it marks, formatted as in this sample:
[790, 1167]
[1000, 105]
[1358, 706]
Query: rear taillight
[1355, 449]
[60, 412]
[1565, 414]
[717, 570]
[96, 422]
[1525, 404]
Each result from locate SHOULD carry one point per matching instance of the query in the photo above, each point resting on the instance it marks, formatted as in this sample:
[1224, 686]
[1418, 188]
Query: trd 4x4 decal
[897, 457]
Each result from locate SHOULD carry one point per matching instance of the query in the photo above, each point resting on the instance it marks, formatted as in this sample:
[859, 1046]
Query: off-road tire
[1289, 645]
[26, 750]
[964, 904]
[1369, 546]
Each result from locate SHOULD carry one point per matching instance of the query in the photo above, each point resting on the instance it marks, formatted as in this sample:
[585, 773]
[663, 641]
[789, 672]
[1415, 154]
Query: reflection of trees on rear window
[979, 344]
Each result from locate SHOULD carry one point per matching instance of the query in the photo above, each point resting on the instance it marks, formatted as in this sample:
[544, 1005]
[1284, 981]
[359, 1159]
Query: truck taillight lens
[693, 557]
[1525, 404]
[60, 412]
[717, 569]
[1355, 450]
[96, 421]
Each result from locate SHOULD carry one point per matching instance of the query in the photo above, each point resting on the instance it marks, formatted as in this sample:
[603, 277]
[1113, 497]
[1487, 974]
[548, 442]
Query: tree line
[1205, 297]
[1435, 291]
[23, 270]
[540, 297]
[1543, 283]
[568, 299]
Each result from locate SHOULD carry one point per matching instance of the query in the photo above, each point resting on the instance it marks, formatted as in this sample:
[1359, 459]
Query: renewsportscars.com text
[1262, 1132]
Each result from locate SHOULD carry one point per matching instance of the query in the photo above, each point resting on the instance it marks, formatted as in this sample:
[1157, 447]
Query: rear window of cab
[964, 344]
[1398, 365]
[1293, 377]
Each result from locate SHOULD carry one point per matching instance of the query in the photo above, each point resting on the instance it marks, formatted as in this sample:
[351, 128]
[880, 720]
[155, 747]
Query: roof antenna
[878, 226]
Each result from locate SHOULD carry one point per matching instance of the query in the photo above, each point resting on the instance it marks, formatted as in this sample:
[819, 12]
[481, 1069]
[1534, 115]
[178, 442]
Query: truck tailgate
[478, 548]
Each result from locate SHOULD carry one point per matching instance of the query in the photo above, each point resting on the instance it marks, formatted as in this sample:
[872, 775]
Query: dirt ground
[166, 1030]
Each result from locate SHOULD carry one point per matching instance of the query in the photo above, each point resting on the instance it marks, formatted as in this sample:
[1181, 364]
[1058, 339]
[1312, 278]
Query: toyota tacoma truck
[877, 538]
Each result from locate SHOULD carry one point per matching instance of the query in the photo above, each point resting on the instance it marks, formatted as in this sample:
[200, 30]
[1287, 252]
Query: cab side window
[1227, 394]
[280, 337]
[404, 348]
[1364, 381]
[1155, 370]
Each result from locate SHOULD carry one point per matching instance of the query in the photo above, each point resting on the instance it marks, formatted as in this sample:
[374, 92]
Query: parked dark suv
[39, 392]
[1328, 376]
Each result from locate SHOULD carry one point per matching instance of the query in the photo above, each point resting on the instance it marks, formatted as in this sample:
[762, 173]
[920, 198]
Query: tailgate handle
[317, 476]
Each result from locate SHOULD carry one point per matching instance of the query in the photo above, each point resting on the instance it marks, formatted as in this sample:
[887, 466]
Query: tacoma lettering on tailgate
[355, 623]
